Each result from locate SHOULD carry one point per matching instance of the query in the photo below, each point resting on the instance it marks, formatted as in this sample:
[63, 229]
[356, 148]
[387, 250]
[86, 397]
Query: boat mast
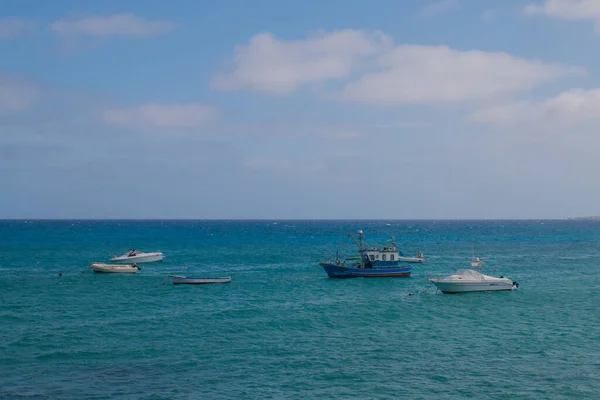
[360, 248]
[359, 243]
[360, 239]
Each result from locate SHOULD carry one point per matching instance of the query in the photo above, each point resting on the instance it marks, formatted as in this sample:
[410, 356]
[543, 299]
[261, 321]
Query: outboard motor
[516, 285]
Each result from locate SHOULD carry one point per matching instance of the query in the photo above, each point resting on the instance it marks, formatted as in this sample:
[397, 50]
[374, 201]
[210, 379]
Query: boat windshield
[467, 273]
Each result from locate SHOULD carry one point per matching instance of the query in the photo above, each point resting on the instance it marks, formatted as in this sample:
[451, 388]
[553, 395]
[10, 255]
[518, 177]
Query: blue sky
[270, 109]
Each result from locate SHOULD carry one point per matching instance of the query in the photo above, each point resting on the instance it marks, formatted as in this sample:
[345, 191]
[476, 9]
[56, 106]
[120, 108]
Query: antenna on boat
[360, 239]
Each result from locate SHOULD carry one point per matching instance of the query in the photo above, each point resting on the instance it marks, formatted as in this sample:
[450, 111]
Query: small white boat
[180, 279]
[115, 268]
[138, 257]
[476, 262]
[468, 280]
[418, 259]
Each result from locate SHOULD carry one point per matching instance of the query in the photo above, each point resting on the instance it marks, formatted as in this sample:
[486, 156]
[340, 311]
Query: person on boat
[132, 253]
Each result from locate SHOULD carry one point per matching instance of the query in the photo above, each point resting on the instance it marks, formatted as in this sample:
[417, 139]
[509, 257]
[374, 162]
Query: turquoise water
[282, 329]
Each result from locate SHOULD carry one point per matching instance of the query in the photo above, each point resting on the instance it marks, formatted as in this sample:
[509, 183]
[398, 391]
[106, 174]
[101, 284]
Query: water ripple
[281, 329]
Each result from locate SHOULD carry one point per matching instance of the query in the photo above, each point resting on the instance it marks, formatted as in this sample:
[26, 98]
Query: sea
[282, 329]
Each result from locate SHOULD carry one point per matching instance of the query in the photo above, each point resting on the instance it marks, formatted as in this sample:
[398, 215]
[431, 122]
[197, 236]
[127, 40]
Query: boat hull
[465, 287]
[143, 258]
[411, 259]
[113, 269]
[182, 280]
[336, 271]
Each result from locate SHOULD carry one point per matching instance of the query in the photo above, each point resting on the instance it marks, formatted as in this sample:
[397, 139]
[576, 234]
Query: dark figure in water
[60, 274]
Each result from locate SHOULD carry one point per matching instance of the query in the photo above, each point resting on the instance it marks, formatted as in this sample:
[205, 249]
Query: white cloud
[17, 94]
[268, 64]
[400, 74]
[161, 116]
[572, 107]
[440, 7]
[421, 74]
[113, 25]
[11, 27]
[567, 9]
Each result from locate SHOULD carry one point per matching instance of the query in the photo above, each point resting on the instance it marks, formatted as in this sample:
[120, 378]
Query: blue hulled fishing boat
[371, 262]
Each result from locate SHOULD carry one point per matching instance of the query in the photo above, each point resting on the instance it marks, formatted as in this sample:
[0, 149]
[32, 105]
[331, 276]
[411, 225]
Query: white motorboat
[115, 268]
[476, 262]
[138, 257]
[180, 279]
[468, 280]
[418, 259]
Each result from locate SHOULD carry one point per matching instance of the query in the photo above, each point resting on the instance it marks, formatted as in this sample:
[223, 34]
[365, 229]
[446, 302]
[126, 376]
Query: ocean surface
[282, 329]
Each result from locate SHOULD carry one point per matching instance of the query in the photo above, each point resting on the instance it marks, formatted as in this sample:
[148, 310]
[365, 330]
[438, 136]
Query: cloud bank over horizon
[318, 119]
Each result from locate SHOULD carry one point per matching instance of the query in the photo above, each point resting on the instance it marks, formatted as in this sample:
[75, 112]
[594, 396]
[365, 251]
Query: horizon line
[304, 219]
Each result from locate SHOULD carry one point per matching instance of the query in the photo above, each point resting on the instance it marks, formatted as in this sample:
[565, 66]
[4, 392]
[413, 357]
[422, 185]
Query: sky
[326, 109]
